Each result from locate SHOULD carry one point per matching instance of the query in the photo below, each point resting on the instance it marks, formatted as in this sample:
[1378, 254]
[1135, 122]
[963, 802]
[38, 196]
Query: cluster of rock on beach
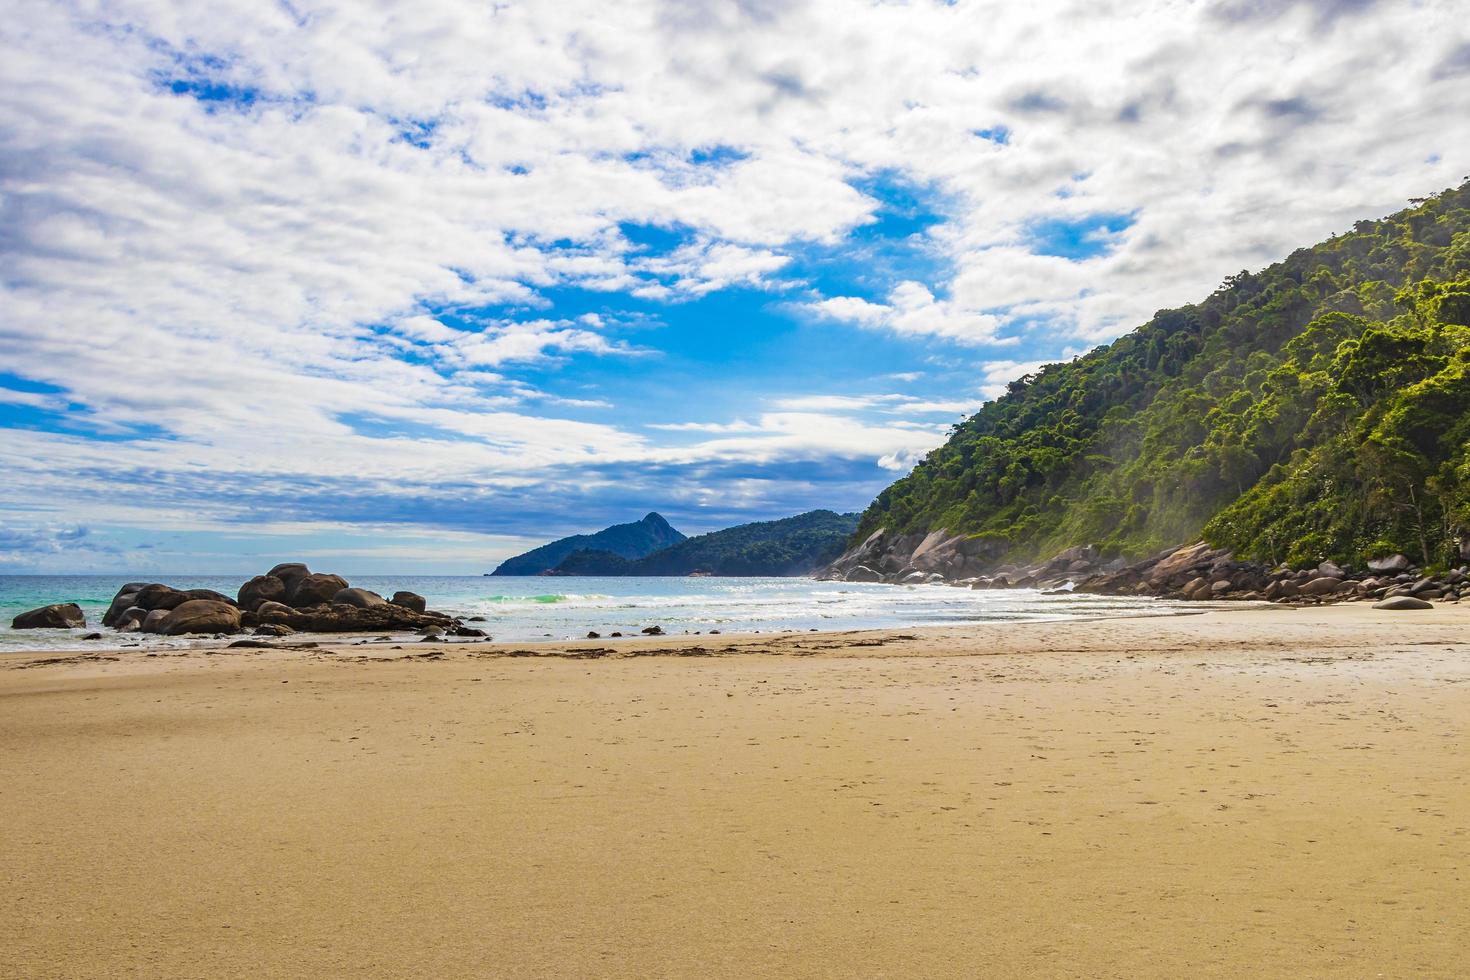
[289, 598]
[1194, 571]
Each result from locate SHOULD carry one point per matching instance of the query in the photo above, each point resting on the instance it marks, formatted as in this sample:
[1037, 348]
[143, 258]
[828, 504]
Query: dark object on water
[467, 631]
[592, 635]
[617, 634]
[93, 636]
[653, 631]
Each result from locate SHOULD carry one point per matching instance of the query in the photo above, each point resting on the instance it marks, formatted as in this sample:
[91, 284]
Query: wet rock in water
[125, 599]
[617, 634]
[202, 616]
[653, 631]
[255, 644]
[316, 589]
[262, 589]
[862, 573]
[59, 616]
[1403, 602]
[93, 636]
[476, 619]
[361, 598]
[593, 635]
[410, 600]
[131, 620]
[467, 631]
[153, 622]
[273, 629]
[430, 631]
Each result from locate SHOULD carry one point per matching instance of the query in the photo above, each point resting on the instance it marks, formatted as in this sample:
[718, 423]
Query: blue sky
[316, 281]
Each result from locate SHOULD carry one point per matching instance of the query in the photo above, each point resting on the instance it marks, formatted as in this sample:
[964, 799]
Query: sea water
[555, 608]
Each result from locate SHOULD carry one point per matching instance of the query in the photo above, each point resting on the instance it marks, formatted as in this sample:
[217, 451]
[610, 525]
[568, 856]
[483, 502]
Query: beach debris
[58, 616]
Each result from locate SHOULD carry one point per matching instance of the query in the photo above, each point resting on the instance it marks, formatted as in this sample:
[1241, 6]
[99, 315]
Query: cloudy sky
[408, 287]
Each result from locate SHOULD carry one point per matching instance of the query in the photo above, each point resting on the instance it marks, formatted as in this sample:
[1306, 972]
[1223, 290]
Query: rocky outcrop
[409, 600]
[61, 616]
[361, 598]
[202, 616]
[315, 588]
[287, 599]
[262, 588]
[1194, 571]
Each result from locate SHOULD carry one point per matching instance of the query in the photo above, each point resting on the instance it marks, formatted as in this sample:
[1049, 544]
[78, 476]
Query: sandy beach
[1263, 792]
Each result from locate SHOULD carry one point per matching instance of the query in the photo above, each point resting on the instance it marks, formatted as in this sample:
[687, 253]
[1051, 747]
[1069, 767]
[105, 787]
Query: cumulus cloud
[271, 249]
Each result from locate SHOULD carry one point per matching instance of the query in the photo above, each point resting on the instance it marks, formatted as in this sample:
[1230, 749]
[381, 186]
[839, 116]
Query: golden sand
[1262, 793]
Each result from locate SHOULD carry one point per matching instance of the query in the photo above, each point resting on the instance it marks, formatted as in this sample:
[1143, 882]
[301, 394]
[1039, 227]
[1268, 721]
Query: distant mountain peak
[631, 541]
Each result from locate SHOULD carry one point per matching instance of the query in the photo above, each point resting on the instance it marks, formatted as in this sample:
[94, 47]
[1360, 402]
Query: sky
[411, 288]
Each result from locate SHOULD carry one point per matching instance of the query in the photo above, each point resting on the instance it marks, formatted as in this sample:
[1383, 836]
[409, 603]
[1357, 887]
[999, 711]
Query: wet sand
[1266, 792]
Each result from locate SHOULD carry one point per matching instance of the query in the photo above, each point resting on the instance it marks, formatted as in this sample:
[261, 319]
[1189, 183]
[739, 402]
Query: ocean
[525, 609]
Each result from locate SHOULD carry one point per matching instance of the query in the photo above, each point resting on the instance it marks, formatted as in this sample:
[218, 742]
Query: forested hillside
[792, 546]
[1319, 409]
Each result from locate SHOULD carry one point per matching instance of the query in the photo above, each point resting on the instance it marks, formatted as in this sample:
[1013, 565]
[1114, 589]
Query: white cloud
[235, 282]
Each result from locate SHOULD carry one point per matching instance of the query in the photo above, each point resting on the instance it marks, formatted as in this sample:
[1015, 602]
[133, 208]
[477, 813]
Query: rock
[476, 619]
[202, 616]
[273, 629]
[124, 600]
[209, 594]
[1323, 585]
[274, 612]
[343, 618]
[593, 635]
[153, 622]
[431, 631]
[361, 598]
[289, 573]
[653, 631]
[862, 573]
[410, 600]
[131, 620]
[914, 578]
[60, 616]
[249, 644]
[467, 631]
[1391, 563]
[1423, 585]
[933, 578]
[262, 588]
[315, 589]
[1221, 585]
[157, 596]
[1403, 602]
[93, 636]
[1330, 570]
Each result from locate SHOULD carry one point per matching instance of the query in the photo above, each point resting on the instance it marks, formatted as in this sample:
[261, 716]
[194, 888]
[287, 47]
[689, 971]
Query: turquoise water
[535, 608]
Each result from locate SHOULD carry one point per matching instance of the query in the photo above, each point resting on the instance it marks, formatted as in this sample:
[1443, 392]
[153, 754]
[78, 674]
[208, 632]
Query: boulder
[343, 618]
[1391, 563]
[1403, 602]
[315, 589]
[274, 612]
[1220, 586]
[157, 596]
[361, 598]
[60, 616]
[202, 616]
[1180, 562]
[123, 601]
[1330, 570]
[862, 573]
[153, 622]
[262, 588]
[273, 629]
[467, 631]
[289, 573]
[410, 600]
[131, 619]
[1323, 585]
[210, 594]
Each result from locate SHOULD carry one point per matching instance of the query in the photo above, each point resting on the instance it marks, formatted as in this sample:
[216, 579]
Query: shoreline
[1259, 790]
